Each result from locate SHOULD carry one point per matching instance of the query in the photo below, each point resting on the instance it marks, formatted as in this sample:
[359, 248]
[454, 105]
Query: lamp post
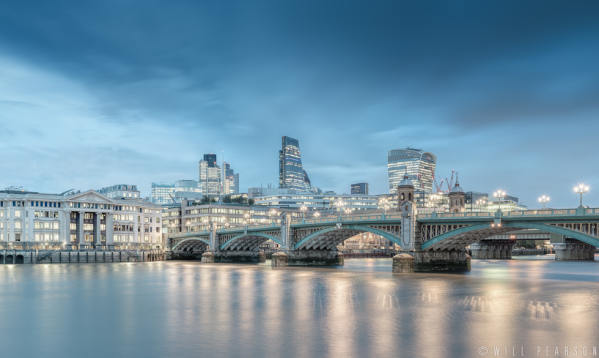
[480, 203]
[581, 189]
[500, 195]
[303, 209]
[544, 199]
[316, 215]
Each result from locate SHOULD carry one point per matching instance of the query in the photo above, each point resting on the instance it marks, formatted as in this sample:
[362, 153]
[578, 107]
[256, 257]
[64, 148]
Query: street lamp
[316, 214]
[500, 195]
[581, 189]
[544, 199]
[481, 202]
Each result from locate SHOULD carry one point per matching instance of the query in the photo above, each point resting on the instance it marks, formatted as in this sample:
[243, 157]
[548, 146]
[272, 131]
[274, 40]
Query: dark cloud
[351, 79]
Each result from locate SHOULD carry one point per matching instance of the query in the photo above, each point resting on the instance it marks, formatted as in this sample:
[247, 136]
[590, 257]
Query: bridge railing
[348, 218]
[466, 214]
[554, 212]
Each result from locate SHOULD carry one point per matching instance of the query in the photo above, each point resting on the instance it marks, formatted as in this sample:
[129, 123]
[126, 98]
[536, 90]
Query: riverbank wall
[8, 257]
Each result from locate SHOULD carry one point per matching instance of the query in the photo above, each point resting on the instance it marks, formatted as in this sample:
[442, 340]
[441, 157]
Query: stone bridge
[432, 242]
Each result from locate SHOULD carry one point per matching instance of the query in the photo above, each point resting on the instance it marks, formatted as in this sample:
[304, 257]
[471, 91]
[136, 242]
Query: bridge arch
[349, 230]
[474, 233]
[190, 244]
[250, 235]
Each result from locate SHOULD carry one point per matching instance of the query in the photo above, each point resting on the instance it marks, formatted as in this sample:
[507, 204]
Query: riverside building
[77, 221]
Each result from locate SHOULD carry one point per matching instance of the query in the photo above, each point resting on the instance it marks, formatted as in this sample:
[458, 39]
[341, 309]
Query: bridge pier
[237, 256]
[571, 251]
[208, 257]
[315, 258]
[492, 249]
[279, 259]
[432, 261]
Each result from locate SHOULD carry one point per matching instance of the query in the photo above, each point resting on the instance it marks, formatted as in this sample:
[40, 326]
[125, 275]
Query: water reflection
[188, 309]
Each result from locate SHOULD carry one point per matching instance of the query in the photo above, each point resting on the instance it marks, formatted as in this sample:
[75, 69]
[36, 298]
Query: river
[525, 306]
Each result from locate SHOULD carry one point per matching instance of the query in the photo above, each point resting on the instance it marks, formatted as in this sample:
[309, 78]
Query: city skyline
[88, 104]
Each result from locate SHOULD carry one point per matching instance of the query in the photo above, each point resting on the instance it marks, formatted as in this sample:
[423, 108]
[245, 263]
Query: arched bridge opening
[463, 236]
[248, 242]
[327, 239]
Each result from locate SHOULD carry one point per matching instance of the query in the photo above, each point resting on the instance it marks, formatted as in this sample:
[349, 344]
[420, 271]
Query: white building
[120, 191]
[86, 220]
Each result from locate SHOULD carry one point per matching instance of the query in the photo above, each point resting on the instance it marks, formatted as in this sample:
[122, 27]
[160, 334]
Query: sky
[95, 93]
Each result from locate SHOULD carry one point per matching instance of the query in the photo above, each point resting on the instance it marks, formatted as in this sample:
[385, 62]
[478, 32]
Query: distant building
[291, 172]
[162, 194]
[209, 176]
[289, 199]
[359, 189]
[120, 191]
[230, 180]
[417, 164]
[169, 194]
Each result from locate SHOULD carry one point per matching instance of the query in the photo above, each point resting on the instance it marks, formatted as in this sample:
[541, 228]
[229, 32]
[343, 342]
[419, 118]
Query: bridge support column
[403, 263]
[315, 258]
[492, 249]
[441, 261]
[261, 256]
[279, 259]
[571, 251]
[208, 257]
[237, 256]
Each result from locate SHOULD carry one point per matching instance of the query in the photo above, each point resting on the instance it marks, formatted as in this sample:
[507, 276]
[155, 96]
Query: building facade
[120, 191]
[291, 172]
[359, 189]
[82, 221]
[209, 176]
[417, 164]
[230, 183]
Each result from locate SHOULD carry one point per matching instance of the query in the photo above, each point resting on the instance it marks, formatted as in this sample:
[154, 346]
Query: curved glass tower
[291, 173]
[416, 163]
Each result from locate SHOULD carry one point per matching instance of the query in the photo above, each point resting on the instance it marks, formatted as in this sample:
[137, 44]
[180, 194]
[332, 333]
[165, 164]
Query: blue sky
[98, 93]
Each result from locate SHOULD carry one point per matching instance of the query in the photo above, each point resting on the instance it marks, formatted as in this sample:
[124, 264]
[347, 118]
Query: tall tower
[291, 173]
[405, 191]
[416, 163]
[457, 198]
[209, 176]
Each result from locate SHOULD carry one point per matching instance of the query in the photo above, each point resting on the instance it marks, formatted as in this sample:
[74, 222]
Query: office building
[169, 194]
[120, 191]
[230, 183]
[419, 166]
[210, 176]
[359, 189]
[291, 172]
[88, 220]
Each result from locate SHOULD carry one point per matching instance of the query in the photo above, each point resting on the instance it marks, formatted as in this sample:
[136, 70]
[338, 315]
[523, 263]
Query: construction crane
[448, 182]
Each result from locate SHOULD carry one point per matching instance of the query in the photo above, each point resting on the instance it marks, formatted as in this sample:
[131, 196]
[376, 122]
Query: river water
[530, 307]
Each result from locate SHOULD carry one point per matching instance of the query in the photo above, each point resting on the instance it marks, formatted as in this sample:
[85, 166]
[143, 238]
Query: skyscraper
[230, 180]
[417, 164]
[209, 176]
[291, 173]
[359, 189]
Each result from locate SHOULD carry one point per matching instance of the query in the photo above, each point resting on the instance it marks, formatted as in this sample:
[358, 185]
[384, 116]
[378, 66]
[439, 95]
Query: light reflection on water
[188, 309]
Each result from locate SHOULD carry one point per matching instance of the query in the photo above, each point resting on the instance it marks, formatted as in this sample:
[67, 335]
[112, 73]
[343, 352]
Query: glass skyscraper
[291, 173]
[210, 176]
[416, 163]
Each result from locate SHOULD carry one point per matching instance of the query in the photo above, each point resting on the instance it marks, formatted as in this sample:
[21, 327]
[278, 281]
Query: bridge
[429, 242]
